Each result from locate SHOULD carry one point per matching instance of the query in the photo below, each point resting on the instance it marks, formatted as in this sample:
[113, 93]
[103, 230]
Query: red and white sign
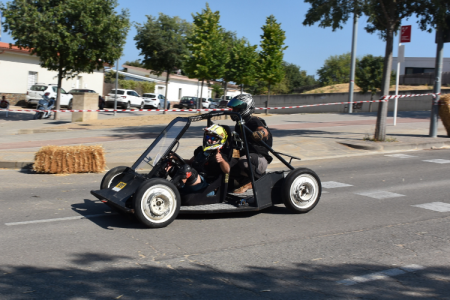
[405, 34]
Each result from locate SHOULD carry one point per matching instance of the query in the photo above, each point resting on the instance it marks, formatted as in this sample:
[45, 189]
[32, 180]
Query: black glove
[187, 172]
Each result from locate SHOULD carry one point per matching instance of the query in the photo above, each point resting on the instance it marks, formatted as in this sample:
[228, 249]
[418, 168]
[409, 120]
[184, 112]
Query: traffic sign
[405, 34]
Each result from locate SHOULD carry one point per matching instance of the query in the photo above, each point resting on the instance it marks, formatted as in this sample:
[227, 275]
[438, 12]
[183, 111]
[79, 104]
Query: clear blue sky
[308, 47]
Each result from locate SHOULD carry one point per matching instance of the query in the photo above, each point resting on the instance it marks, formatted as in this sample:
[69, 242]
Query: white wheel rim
[304, 191]
[158, 203]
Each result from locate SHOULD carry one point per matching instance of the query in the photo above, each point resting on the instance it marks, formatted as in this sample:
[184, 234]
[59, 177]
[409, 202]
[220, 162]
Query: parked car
[209, 103]
[36, 91]
[153, 100]
[188, 102]
[81, 91]
[125, 99]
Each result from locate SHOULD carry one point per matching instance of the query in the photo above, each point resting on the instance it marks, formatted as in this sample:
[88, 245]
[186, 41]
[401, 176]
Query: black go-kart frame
[148, 189]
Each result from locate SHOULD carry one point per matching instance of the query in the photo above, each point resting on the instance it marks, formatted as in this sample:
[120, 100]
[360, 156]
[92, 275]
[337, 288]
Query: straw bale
[70, 159]
[444, 112]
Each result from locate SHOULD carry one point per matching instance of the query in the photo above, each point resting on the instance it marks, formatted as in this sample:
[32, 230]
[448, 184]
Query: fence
[421, 103]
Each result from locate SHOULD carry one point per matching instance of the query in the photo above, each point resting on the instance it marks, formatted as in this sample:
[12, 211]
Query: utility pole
[437, 82]
[117, 82]
[352, 67]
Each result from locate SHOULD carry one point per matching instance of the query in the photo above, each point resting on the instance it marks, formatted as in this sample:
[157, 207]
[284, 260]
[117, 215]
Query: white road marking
[438, 161]
[380, 194]
[59, 219]
[381, 275]
[401, 155]
[333, 184]
[436, 206]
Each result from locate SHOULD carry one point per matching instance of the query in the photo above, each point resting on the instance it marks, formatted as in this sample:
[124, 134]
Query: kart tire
[157, 203]
[301, 190]
[112, 177]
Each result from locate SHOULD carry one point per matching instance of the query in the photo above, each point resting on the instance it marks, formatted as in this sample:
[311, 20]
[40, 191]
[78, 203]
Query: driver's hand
[219, 157]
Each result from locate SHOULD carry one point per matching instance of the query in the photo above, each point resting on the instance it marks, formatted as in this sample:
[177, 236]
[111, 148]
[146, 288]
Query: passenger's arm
[224, 165]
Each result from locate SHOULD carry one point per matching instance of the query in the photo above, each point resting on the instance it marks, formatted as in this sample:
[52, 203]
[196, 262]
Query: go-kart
[148, 189]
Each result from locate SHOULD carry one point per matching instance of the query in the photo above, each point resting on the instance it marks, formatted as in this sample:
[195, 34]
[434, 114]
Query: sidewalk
[308, 136]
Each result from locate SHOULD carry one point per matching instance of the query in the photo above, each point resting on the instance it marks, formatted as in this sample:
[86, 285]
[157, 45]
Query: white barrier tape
[383, 99]
[407, 96]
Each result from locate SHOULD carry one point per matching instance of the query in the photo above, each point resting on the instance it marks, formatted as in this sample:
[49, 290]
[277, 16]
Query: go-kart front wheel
[157, 203]
[301, 190]
[112, 177]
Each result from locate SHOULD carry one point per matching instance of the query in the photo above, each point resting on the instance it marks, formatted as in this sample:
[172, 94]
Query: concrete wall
[419, 62]
[16, 66]
[404, 104]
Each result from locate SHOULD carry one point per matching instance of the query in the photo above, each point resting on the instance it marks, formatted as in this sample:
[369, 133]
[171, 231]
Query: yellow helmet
[214, 137]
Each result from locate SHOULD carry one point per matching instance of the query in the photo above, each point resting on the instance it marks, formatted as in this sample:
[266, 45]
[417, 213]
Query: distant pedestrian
[101, 102]
[4, 103]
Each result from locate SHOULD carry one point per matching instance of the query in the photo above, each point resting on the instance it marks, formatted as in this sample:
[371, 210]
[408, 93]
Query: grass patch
[367, 137]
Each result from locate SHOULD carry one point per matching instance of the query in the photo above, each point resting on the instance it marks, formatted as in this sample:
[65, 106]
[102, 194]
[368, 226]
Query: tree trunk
[56, 116]
[165, 94]
[268, 100]
[199, 103]
[225, 90]
[380, 129]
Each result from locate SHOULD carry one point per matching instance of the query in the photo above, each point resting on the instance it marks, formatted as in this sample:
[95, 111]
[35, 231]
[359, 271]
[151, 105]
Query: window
[32, 79]
[130, 93]
[38, 88]
[411, 70]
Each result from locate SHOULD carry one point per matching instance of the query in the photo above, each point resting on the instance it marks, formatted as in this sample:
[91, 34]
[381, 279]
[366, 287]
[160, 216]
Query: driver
[259, 155]
[207, 163]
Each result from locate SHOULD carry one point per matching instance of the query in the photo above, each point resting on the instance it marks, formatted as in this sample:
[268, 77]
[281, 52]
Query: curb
[392, 146]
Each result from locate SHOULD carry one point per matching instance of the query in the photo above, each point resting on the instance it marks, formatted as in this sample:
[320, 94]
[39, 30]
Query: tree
[229, 41]
[217, 90]
[296, 78]
[369, 74]
[271, 56]
[110, 77]
[335, 70]
[208, 54]
[135, 63]
[162, 42]
[241, 65]
[384, 17]
[68, 36]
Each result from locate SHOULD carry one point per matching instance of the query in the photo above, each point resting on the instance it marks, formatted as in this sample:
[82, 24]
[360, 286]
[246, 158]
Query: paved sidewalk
[308, 136]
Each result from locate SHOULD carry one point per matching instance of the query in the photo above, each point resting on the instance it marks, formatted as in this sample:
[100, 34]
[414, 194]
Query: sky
[308, 46]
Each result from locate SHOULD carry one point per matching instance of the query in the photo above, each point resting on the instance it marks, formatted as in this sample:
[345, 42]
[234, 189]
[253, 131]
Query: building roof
[173, 76]
[12, 48]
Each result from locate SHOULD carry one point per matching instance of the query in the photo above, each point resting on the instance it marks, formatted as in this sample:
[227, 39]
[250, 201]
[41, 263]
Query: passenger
[207, 163]
[259, 155]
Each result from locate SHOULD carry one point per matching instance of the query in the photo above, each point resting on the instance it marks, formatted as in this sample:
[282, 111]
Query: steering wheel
[179, 161]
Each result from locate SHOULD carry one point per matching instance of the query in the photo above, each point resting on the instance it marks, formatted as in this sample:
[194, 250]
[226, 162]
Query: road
[380, 231]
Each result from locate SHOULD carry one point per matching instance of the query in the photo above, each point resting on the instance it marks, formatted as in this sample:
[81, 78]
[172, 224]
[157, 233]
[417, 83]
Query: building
[179, 85]
[416, 65]
[20, 71]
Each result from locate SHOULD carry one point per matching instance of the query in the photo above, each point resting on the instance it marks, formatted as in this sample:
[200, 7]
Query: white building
[20, 70]
[415, 65]
[179, 85]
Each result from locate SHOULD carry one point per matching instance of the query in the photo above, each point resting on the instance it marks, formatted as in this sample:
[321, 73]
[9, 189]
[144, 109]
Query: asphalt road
[380, 231]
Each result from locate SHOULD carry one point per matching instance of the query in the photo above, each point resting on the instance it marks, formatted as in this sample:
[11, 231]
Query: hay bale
[70, 159]
[444, 111]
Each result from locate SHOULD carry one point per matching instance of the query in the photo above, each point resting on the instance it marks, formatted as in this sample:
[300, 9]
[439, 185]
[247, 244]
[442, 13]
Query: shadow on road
[103, 276]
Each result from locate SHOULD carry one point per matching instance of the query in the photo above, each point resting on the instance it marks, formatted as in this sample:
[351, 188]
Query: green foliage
[139, 86]
[335, 70]
[162, 42]
[69, 36]
[135, 63]
[147, 87]
[217, 90]
[296, 78]
[241, 67]
[369, 74]
[271, 55]
[281, 87]
[110, 77]
[208, 53]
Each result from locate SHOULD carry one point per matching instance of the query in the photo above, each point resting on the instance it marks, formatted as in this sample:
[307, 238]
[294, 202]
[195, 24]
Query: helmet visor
[237, 105]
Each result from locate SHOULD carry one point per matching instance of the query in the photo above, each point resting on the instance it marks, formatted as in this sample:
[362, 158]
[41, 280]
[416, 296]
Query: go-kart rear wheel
[301, 190]
[112, 177]
[157, 203]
